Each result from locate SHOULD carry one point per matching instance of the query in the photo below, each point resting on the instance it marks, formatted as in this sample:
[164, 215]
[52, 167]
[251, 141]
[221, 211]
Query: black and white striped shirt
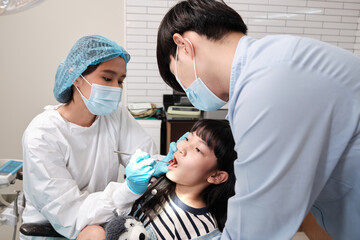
[180, 221]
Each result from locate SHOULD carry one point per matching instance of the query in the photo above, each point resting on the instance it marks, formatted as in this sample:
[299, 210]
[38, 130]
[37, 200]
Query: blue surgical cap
[88, 50]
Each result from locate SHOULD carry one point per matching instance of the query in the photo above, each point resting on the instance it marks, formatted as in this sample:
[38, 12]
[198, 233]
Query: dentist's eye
[120, 83]
[107, 79]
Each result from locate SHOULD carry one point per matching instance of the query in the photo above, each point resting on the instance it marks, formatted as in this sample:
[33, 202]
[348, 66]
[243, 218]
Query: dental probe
[124, 153]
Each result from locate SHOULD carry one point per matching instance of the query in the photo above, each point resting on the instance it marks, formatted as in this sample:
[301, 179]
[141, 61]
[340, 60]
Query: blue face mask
[103, 100]
[198, 93]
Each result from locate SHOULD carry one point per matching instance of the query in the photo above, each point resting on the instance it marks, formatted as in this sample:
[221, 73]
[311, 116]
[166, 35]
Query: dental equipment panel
[8, 171]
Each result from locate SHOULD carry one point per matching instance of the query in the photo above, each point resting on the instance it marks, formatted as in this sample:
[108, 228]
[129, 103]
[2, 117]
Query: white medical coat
[294, 109]
[70, 172]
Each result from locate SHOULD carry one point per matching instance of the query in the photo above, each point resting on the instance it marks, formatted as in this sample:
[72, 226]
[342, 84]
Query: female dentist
[70, 168]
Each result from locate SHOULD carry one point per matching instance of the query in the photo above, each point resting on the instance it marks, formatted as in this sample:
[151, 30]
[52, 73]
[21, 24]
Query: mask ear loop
[192, 48]
[176, 60]
[176, 74]
[85, 80]
[78, 88]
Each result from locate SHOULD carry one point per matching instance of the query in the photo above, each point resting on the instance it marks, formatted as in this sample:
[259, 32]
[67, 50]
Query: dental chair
[39, 230]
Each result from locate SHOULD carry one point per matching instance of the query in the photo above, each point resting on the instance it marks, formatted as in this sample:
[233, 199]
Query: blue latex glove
[139, 171]
[160, 167]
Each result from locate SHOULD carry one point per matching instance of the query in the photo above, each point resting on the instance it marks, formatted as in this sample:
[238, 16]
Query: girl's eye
[186, 139]
[198, 150]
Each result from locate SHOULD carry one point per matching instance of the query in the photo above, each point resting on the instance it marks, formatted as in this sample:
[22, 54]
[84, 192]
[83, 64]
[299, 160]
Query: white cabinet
[153, 128]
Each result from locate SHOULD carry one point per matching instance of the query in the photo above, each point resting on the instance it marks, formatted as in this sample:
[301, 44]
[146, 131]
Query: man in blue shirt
[294, 109]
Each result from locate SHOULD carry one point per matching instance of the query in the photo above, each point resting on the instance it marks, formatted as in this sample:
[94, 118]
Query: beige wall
[32, 44]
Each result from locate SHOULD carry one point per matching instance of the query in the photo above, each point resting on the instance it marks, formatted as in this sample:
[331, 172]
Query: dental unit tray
[183, 110]
[142, 110]
[8, 171]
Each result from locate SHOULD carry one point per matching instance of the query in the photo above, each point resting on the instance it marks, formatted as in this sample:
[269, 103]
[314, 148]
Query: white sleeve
[50, 188]
[116, 195]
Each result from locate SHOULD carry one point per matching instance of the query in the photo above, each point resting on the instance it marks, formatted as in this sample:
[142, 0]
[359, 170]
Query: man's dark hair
[210, 18]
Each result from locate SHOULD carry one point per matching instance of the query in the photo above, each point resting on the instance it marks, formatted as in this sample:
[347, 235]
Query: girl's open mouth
[173, 163]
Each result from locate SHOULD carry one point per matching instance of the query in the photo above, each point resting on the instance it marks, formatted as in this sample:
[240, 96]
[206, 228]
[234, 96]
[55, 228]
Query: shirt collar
[239, 60]
[238, 63]
[185, 207]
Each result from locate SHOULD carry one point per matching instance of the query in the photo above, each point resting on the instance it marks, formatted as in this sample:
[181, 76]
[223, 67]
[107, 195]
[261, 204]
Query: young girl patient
[190, 201]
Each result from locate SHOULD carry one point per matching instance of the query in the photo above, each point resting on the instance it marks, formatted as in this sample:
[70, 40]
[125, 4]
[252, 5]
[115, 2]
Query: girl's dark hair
[87, 71]
[218, 137]
[210, 18]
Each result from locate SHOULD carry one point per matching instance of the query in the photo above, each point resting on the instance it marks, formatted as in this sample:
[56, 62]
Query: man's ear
[183, 45]
[218, 177]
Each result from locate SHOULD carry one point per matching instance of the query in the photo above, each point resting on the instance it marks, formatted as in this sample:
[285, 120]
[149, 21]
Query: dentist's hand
[160, 167]
[91, 232]
[139, 171]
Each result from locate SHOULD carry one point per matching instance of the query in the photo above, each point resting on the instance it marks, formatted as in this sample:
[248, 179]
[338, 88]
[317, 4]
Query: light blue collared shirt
[294, 110]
